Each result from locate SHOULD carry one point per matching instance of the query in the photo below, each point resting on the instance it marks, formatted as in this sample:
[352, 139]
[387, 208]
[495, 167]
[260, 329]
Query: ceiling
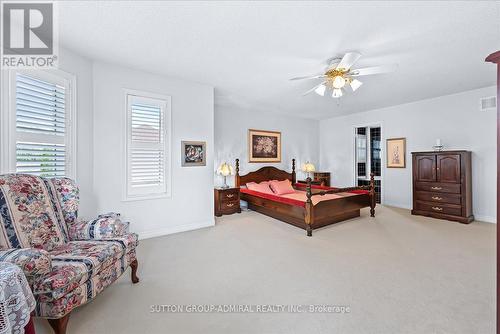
[249, 50]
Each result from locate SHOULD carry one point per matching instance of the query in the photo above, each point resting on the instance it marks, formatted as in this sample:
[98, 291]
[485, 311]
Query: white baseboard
[397, 205]
[486, 219]
[175, 229]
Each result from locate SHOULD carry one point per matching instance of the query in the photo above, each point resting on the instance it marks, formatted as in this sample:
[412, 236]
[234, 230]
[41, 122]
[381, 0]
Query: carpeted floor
[397, 273]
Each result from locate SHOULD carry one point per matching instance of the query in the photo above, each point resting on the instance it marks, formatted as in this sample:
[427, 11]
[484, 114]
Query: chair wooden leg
[59, 325]
[133, 266]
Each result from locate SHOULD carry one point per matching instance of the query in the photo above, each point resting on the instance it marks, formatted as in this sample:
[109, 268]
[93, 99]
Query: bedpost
[294, 178]
[372, 195]
[309, 208]
[237, 176]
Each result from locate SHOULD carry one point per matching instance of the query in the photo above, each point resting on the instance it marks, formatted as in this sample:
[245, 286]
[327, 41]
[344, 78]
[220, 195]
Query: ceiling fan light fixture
[320, 90]
[355, 84]
[338, 82]
[337, 92]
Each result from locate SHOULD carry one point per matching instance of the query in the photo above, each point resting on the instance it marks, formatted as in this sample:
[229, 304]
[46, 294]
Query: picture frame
[193, 153]
[264, 146]
[396, 152]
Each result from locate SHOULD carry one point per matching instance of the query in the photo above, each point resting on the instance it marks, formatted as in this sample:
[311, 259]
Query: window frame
[8, 118]
[127, 195]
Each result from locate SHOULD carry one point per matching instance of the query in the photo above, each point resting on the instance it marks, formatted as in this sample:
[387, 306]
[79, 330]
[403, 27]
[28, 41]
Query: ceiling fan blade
[348, 60]
[373, 70]
[309, 77]
[314, 88]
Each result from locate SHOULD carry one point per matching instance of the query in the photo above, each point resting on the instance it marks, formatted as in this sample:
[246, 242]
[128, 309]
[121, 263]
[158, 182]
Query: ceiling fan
[339, 74]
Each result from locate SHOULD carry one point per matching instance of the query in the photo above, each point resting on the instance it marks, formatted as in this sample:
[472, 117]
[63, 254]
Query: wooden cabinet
[442, 185]
[426, 168]
[226, 201]
[448, 168]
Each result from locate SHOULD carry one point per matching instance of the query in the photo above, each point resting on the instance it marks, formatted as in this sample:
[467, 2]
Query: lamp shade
[308, 167]
[337, 92]
[320, 90]
[225, 169]
[355, 84]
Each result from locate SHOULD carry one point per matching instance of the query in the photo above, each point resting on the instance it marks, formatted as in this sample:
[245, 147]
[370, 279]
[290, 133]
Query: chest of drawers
[442, 185]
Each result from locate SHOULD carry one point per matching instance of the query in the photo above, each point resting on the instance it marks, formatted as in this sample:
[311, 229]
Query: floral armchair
[67, 261]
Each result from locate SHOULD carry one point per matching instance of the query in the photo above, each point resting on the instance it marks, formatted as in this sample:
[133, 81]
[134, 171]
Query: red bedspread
[291, 201]
[273, 197]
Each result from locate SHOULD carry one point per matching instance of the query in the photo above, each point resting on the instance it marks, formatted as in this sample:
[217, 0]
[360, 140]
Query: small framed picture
[193, 153]
[264, 146]
[396, 153]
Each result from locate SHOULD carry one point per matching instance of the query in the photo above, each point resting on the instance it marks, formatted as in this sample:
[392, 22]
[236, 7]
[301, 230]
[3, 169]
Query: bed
[311, 207]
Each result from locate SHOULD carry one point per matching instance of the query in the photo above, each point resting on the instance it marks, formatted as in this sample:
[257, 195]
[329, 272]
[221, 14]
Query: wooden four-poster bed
[321, 206]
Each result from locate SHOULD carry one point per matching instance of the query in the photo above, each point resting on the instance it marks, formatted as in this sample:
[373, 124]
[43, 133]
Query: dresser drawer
[447, 209]
[438, 187]
[230, 206]
[438, 197]
[229, 195]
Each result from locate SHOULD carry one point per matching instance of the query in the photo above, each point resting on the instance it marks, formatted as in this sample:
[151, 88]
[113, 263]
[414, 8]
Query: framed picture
[396, 153]
[193, 153]
[264, 146]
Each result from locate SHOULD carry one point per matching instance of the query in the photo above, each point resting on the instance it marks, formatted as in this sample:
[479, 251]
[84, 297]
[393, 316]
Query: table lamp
[225, 170]
[308, 168]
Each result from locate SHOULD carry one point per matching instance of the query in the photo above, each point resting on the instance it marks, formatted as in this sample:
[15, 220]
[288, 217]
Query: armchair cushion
[68, 195]
[33, 262]
[76, 262]
[96, 229]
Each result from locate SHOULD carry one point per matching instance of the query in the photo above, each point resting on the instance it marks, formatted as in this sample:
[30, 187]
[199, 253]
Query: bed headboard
[263, 174]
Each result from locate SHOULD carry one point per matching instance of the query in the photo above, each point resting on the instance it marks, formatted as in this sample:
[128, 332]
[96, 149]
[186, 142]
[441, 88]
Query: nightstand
[226, 201]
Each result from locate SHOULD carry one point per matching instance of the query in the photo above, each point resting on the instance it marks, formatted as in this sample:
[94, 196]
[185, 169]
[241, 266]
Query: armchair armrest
[33, 262]
[104, 227]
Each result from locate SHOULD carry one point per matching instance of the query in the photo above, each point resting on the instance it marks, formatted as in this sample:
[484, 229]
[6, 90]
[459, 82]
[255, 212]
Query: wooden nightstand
[227, 201]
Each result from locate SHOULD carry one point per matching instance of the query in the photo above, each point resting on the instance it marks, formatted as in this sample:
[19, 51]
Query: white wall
[299, 139]
[455, 119]
[82, 69]
[191, 204]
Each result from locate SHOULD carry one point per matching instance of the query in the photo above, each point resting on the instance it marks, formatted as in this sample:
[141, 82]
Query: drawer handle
[436, 198]
[230, 195]
[229, 204]
[435, 208]
[436, 188]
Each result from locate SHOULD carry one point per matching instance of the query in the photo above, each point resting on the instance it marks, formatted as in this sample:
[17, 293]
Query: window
[368, 157]
[41, 124]
[148, 139]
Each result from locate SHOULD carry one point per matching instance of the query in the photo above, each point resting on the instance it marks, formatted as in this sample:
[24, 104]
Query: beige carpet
[398, 274]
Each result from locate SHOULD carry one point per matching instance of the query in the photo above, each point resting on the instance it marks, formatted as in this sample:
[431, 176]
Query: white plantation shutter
[41, 125]
[41, 159]
[146, 146]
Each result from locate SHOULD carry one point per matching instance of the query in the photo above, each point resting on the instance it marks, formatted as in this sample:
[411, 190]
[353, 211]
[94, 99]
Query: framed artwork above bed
[264, 146]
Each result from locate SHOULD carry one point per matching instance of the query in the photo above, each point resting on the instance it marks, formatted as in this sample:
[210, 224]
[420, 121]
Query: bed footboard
[348, 207]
